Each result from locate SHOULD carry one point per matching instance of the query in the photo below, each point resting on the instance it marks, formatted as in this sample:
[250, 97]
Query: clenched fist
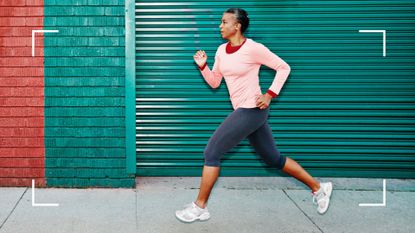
[200, 58]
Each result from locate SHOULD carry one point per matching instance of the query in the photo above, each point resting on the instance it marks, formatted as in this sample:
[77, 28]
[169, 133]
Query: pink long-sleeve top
[240, 70]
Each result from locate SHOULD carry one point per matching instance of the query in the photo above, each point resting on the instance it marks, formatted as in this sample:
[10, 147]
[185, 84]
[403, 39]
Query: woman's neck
[237, 40]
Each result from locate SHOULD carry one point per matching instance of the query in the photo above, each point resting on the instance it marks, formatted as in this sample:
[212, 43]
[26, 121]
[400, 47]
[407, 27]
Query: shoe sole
[329, 195]
[201, 218]
[331, 189]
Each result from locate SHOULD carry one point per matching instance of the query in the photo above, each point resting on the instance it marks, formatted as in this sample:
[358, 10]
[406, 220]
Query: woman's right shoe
[322, 197]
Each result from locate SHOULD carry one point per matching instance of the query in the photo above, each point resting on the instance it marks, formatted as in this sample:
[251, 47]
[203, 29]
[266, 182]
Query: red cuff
[271, 93]
[203, 67]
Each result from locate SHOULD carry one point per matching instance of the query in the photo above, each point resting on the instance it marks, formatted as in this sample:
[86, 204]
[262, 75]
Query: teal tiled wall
[84, 94]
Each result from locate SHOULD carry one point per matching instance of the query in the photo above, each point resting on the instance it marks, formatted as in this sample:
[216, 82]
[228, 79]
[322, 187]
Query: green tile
[89, 10]
[76, 152]
[84, 132]
[114, 11]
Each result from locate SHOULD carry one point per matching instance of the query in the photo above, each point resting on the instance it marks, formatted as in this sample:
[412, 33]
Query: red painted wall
[22, 147]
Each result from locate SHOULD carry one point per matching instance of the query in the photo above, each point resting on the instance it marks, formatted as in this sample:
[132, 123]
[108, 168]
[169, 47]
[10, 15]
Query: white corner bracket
[34, 204]
[33, 38]
[383, 204]
[384, 38]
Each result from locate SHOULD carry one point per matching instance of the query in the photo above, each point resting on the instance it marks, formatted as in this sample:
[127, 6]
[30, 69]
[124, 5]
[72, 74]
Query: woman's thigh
[264, 144]
[237, 126]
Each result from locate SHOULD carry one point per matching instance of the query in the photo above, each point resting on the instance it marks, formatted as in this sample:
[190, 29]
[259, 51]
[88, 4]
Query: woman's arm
[264, 56]
[212, 77]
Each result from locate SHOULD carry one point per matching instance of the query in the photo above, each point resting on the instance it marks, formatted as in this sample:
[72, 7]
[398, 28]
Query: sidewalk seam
[11, 212]
[302, 211]
[136, 212]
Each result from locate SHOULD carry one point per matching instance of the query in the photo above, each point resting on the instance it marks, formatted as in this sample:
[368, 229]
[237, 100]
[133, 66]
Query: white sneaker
[322, 197]
[192, 212]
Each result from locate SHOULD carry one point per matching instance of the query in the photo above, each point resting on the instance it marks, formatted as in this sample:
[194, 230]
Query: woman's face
[229, 26]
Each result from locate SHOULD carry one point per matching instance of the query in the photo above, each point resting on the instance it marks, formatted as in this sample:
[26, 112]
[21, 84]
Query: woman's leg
[264, 144]
[237, 126]
[295, 170]
[209, 177]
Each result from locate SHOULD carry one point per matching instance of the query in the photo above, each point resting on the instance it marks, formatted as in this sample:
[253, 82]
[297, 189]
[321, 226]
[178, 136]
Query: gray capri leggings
[243, 123]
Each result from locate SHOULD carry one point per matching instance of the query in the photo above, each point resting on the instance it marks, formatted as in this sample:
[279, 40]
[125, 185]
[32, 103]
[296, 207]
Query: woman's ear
[238, 26]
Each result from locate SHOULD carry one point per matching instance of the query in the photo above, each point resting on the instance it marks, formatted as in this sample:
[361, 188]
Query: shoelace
[190, 207]
[187, 212]
[317, 197]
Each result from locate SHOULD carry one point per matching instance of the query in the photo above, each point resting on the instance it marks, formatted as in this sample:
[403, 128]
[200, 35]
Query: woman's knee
[212, 157]
[277, 161]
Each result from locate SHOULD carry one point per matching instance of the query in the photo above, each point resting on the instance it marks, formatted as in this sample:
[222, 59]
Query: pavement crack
[311, 220]
[11, 212]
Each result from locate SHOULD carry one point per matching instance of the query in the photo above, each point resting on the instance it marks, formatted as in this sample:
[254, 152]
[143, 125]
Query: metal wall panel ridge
[346, 110]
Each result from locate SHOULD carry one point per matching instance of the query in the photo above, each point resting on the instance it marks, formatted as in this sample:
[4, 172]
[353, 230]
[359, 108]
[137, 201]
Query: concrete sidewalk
[248, 204]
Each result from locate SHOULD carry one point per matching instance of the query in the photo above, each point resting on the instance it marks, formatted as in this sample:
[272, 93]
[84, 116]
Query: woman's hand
[263, 101]
[200, 58]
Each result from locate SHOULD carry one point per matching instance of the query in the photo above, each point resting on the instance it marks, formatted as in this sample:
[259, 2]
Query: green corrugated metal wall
[345, 110]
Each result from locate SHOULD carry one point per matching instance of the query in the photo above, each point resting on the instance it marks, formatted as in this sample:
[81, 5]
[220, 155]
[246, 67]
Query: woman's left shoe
[192, 212]
[322, 197]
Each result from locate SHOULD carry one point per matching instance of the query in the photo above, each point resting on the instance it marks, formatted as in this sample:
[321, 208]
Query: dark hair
[241, 16]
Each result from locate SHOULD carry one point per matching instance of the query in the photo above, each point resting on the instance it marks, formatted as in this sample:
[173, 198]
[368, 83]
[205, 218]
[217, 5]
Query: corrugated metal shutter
[345, 110]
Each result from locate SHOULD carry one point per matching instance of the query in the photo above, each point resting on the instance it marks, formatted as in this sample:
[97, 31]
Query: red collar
[231, 49]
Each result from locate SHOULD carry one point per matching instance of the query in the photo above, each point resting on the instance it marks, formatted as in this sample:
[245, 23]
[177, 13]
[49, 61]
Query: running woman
[238, 61]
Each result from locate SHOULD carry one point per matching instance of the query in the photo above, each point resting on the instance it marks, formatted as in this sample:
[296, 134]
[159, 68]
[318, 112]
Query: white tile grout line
[37, 204]
[33, 38]
[377, 204]
[384, 38]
